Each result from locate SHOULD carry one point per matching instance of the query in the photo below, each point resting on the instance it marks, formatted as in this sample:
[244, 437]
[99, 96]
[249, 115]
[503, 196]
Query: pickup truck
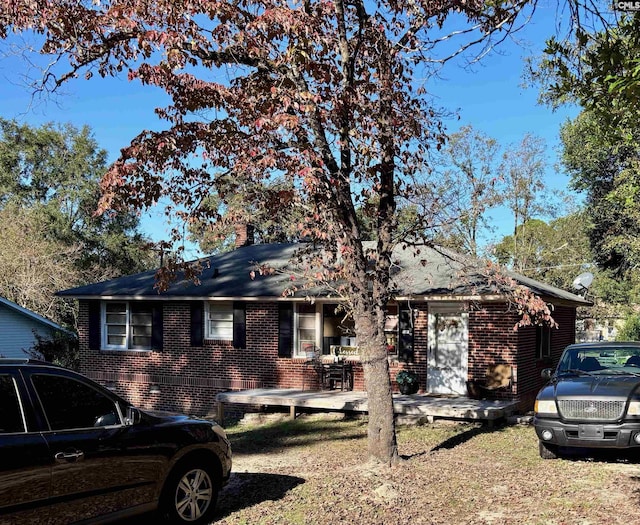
[592, 399]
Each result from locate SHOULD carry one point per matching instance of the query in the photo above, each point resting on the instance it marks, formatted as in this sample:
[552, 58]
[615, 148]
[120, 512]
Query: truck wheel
[190, 495]
[548, 451]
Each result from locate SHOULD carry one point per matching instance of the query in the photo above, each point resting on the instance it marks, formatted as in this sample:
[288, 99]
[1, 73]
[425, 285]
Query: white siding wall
[16, 332]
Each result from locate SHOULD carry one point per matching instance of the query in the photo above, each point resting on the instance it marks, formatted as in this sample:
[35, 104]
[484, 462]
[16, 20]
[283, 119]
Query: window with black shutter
[239, 324]
[405, 334]
[95, 323]
[197, 323]
[285, 329]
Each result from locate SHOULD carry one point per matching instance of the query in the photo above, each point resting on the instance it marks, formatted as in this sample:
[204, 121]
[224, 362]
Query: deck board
[420, 405]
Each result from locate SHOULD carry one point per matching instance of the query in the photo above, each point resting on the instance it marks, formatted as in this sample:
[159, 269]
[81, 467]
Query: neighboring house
[18, 327]
[178, 349]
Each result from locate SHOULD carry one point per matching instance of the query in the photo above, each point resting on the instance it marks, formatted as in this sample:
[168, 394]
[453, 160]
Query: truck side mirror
[546, 373]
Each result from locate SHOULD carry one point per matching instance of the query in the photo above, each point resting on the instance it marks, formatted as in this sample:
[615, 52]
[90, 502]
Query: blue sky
[488, 96]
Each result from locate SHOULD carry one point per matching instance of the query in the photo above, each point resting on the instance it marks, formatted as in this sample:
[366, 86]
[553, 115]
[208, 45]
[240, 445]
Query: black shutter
[239, 324]
[197, 323]
[405, 339]
[157, 326]
[285, 329]
[95, 321]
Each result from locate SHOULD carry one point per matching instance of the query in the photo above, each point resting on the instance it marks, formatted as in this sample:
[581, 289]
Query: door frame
[460, 308]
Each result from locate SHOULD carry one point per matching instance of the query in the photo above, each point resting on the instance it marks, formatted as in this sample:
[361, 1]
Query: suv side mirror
[132, 416]
[546, 373]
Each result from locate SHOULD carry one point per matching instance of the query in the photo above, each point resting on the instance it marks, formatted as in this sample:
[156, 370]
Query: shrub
[61, 349]
[630, 330]
[406, 377]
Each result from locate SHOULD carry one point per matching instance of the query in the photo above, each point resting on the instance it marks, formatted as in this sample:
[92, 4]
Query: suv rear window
[10, 412]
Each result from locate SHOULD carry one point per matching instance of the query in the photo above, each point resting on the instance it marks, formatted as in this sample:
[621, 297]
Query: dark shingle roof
[423, 272]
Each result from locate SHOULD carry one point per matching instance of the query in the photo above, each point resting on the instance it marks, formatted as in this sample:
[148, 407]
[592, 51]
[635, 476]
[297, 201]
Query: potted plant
[408, 381]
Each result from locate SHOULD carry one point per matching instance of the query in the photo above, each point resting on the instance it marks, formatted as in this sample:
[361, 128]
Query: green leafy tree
[327, 95]
[522, 174]
[597, 67]
[54, 172]
[553, 252]
[605, 169]
[33, 267]
[212, 226]
[557, 252]
[630, 330]
[471, 178]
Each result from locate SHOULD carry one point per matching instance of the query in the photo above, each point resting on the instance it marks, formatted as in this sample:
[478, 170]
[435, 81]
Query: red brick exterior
[492, 340]
[186, 378]
[529, 366]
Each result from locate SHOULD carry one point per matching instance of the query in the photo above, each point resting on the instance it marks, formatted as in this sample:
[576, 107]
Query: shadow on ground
[301, 432]
[467, 435]
[246, 489]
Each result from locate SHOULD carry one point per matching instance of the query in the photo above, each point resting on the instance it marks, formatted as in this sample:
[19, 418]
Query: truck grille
[586, 409]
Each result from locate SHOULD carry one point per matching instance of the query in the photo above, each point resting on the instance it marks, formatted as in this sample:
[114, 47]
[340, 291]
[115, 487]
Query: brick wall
[493, 341]
[530, 366]
[187, 379]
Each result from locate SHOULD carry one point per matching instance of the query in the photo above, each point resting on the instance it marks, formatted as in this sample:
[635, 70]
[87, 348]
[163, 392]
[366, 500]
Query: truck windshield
[605, 360]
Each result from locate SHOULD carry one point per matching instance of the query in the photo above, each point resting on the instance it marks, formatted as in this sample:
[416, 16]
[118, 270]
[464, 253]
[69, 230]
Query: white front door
[448, 363]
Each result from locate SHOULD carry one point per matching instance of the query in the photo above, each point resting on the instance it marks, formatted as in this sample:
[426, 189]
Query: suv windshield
[601, 361]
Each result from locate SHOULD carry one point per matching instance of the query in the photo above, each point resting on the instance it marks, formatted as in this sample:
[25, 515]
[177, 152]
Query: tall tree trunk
[373, 351]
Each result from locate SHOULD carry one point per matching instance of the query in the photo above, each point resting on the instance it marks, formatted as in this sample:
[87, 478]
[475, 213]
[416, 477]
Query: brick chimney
[244, 234]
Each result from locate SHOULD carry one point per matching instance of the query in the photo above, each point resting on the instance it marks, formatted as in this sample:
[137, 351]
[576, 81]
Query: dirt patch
[316, 471]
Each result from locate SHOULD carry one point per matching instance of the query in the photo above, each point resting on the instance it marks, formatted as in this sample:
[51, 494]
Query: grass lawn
[315, 471]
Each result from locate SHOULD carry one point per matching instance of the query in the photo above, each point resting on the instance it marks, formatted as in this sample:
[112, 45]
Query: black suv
[71, 450]
[592, 399]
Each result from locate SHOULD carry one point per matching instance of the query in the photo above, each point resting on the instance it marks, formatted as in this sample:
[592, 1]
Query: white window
[126, 326]
[219, 317]
[306, 329]
[115, 323]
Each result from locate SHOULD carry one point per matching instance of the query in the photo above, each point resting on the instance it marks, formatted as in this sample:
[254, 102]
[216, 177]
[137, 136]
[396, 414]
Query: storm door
[447, 363]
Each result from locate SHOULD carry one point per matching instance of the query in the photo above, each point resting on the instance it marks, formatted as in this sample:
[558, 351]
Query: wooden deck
[416, 405]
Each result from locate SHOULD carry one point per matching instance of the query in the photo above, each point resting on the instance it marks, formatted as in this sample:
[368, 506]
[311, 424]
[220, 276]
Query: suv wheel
[190, 494]
[548, 451]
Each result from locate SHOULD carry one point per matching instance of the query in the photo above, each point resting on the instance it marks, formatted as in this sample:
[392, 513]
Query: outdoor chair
[497, 378]
[337, 375]
[314, 363]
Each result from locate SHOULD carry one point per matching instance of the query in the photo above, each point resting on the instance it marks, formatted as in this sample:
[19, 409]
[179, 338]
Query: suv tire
[190, 494]
[548, 451]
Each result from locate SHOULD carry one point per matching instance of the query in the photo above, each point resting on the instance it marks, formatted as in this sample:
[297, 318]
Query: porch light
[154, 389]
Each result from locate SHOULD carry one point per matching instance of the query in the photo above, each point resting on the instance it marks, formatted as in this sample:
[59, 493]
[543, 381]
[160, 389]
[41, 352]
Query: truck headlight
[634, 408]
[546, 406]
